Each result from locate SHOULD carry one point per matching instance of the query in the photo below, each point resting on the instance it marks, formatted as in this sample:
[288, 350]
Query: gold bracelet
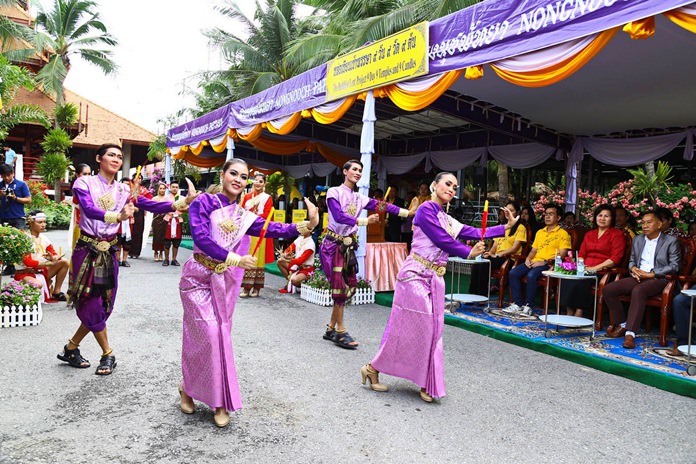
[233, 259]
[111, 217]
[180, 204]
[363, 221]
[303, 227]
[403, 212]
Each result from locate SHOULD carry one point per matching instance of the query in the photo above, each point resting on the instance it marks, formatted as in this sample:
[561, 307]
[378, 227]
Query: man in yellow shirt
[547, 242]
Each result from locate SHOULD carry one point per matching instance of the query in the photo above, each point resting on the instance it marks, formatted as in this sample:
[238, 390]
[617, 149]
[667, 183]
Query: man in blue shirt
[14, 194]
[10, 156]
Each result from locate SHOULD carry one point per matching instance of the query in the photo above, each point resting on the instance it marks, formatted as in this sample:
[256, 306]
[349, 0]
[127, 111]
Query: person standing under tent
[411, 346]
[104, 203]
[337, 251]
[260, 203]
[209, 286]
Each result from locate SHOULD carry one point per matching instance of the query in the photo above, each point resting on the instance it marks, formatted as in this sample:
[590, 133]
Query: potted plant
[20, 304]
[14, 246]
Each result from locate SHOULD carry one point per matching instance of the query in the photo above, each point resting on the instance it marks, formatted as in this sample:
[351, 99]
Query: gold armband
[403, 212]
[111, 217]
[363, 221]
[233, 259]
[180, 204]
[303, 227]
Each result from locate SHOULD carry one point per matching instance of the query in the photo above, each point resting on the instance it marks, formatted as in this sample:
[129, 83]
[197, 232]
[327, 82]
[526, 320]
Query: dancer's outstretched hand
[312, 212]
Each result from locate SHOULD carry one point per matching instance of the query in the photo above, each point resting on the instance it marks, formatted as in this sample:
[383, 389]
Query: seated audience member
[653, 256]
[527, 215]
[623, 221]
[667, 218]
[569, 220]
[44, 264]
[503, 247]
[681, 309]
[692, 230]
[547, 243]
[602, 248]
[296, 263]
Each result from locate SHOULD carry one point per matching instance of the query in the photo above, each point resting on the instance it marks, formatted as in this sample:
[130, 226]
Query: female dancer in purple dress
[411, 347]
[104, 204]
[209, 287]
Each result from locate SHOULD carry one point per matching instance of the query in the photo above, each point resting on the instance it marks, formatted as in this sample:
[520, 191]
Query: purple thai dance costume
[209, 293]
[94, 262]
[411, 347]
[338, 248]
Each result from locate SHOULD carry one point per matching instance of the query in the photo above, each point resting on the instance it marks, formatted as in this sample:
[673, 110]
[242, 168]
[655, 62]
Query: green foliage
[318, 280]
[71, 27]
[14, 245]
[52, 166]
[56, 141]
[274, 182]
[58, 215]
[647, 185]
[12, 78]
[66, 114]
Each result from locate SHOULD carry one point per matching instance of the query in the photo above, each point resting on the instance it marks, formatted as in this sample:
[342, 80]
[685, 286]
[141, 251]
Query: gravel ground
[303, 401]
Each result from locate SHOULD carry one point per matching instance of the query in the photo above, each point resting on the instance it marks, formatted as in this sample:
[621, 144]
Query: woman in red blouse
[602, 248]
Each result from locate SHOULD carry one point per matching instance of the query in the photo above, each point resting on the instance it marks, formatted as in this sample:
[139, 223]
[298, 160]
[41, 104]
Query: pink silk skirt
[207, 358]
[411, 347]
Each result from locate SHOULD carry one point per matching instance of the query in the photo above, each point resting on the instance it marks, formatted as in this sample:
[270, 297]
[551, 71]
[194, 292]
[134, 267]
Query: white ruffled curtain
[317, 170]
[367, 149]
[546, 57]
[634, 151]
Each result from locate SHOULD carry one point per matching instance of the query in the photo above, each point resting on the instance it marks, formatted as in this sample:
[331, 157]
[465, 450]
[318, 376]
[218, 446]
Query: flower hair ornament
[433, 195]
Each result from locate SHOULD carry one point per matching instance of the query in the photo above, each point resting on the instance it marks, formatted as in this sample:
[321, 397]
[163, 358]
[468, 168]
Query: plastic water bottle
[581, 267]
[557, 262]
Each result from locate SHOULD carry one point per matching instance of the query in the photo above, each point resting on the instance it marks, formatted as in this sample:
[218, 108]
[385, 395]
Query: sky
[161, 49]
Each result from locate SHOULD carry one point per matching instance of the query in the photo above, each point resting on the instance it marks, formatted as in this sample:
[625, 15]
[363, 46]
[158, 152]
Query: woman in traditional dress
[602, 247]
[260, 203]
[159, 225]
[420, 199]
[210, 282]
[104, 203]
[340, 242]
[411, 347]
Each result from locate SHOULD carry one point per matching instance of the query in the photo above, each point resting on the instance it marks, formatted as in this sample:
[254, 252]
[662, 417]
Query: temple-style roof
[100, 124]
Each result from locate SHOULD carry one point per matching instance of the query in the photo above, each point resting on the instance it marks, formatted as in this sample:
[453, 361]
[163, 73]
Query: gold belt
[214, 265]
[346, 240]
[439, 270]
[100, 245]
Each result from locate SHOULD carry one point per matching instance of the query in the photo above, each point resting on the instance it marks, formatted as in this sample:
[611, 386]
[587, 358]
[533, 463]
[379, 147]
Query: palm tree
[11, 79]
[352, 23]
[72, 27]
[258, 62]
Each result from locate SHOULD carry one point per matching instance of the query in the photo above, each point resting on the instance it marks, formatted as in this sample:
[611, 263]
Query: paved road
[303, 401]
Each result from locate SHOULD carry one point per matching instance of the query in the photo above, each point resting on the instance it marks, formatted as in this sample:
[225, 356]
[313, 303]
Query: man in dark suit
[653, 255]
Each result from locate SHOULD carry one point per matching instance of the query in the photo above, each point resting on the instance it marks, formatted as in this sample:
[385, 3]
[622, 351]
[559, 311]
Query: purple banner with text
[301, 92]
[206, 127]
[498, 29]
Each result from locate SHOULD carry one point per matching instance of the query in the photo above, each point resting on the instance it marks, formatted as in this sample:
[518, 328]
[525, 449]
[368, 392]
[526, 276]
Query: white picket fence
[322, 297]
[19, 316]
